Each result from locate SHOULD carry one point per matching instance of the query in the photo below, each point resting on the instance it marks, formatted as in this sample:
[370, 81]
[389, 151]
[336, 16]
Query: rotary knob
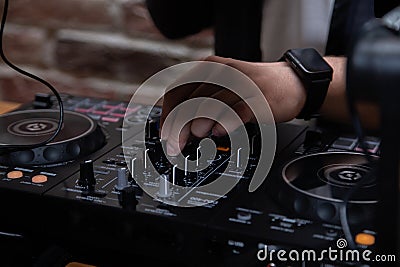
[86, 178]
[122, 179]
[127, 198]
[164, 189]
[151, 130]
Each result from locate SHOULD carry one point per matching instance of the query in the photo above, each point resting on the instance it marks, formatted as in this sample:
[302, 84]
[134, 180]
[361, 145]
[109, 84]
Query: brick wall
[88, 47]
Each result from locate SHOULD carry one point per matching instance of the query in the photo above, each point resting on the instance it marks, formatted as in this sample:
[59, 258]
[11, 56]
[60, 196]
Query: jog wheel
[79, 136]
[315, 186]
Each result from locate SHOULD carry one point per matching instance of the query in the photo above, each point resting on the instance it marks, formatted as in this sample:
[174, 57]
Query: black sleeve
[238, 29]
[384, 6]
[180, 18]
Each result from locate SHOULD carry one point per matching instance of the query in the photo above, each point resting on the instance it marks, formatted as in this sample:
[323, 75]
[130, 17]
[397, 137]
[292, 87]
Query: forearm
[335, 106]
[286, 94]
[282, 89]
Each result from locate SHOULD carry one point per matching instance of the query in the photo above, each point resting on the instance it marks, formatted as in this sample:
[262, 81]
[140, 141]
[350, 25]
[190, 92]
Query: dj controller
[78, 199]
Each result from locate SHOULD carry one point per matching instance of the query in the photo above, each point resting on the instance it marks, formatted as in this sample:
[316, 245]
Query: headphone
[373, 75]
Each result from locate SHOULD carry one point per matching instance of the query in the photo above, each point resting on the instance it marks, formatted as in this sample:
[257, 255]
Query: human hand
[277, 83]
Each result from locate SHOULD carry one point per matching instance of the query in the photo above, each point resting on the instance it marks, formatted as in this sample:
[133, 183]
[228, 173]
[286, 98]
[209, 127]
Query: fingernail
[162, 134]
[172, 150]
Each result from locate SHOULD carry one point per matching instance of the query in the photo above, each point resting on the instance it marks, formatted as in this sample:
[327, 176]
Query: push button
[39, 179]
[15, 175]
[345, 143]
[365, 239]
[244, 216]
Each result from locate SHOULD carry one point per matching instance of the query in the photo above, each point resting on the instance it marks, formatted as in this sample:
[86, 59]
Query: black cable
[361, 139]
[343, 208]
[9, 148]
[357, 126]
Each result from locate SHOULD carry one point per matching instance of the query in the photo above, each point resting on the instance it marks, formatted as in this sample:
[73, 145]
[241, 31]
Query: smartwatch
[315, 74]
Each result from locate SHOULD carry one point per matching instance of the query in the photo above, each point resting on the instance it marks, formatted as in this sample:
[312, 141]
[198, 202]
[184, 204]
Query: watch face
[310, 63]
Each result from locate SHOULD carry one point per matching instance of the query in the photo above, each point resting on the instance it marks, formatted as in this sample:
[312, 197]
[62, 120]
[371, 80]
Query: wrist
[288, 97]
[297, 93]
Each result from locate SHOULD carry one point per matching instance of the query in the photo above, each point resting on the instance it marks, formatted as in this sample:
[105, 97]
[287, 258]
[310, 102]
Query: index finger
[183, 87]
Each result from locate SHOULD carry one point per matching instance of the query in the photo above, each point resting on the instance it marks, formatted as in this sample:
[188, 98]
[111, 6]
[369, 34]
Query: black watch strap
[314, 99]
[315, 74]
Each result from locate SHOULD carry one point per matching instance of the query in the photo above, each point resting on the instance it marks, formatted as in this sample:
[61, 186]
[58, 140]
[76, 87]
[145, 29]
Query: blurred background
[100, 48]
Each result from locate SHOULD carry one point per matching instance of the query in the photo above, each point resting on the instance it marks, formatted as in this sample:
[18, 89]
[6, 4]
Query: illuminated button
[371, 146]
[224, 149]
[39, 179]
[121, 112]
[85, 108]
[15, 175]
[111, 105]
[365, 239]
[110, 119]
[120, 115]
[101, 110]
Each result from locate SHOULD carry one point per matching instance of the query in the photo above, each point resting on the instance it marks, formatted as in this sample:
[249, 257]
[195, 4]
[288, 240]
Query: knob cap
[42, 100]
[86, 178]
[151, 129]
[122, 179]
[127, 198]
[313, 138]
[164, 189]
